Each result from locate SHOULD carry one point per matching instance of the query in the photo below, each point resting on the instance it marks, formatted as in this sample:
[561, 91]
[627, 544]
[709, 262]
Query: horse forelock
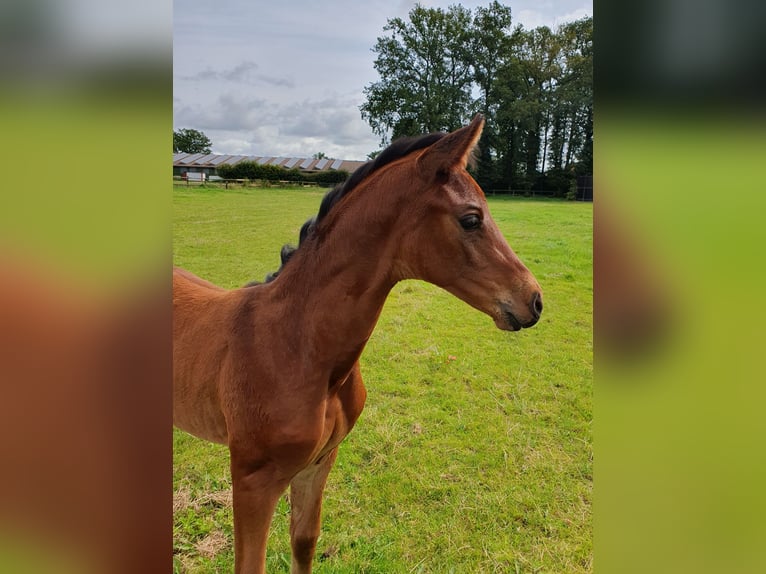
[400, 148]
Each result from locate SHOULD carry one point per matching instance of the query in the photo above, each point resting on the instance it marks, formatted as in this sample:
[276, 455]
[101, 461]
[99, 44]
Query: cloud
[531, 19]
[238, 124]
[229, 112]
[534, 18]
[336, 118]
[577, 14]
[244, 73]
[233, 145]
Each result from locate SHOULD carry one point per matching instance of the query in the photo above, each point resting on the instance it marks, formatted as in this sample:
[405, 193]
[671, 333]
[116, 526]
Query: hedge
[252, 170]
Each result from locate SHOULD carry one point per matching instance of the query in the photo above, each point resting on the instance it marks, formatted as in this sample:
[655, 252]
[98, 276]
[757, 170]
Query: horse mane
[397, 150]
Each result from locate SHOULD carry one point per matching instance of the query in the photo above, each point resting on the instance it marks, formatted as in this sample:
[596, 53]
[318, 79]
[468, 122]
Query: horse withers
[272, 370]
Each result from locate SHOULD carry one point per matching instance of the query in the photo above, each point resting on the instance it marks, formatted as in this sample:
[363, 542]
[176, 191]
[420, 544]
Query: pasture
[474, 451]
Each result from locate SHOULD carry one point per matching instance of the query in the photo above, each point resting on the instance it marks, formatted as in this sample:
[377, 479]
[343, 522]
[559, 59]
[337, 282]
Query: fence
[584, 191]
[522, 192]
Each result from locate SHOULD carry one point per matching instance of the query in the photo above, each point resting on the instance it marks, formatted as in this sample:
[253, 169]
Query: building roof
[304, 164]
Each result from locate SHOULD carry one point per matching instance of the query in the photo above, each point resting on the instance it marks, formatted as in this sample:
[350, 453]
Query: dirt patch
[212, 544]
[183, 499]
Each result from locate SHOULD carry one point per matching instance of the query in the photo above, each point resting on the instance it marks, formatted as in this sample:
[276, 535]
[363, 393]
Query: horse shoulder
[352, 396]
[343, 407]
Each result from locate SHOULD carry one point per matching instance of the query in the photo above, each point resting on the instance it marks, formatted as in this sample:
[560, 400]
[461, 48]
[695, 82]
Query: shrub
[330, 177]
[226, 171]
[557, 180]
[254, 171]
[295, 175]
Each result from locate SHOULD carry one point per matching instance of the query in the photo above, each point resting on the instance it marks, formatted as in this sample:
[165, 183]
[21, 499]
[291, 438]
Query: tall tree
[576, 93]
[190, 141]
[439, 67]
[425, 74]
[541, 63]
[490, 47]
[527, 90]
[517, 113]
[490, 38]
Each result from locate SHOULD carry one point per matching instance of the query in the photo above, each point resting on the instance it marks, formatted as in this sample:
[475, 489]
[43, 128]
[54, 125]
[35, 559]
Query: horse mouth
[512, 320]
[507, 321]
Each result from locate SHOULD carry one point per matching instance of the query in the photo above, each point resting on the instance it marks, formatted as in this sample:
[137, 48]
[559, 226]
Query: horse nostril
[536, 305]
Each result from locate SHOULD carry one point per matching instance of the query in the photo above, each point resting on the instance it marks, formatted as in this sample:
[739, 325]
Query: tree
[425, 75]
[529, 106]
[576, 94]
[516, 115]
[190, 141]
[439, 67]
[490, 47]
[540, 62]
[545, 114]
[319, 155]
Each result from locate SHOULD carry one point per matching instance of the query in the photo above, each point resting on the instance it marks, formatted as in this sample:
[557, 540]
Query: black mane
[397, 150]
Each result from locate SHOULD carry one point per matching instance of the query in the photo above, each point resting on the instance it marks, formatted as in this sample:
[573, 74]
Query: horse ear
[453, 150]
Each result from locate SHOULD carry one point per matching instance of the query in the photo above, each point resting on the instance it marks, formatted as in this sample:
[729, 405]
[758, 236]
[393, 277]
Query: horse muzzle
[510, 320]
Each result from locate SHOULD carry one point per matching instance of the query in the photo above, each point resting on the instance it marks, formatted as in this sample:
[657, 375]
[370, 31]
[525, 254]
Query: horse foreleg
[306, 491]
[256, 495]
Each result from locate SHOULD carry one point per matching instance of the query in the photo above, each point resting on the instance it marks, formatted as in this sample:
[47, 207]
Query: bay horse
[272, 370]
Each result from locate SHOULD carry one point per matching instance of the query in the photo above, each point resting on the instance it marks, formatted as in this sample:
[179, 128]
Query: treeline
[252, 170]
[535, 87]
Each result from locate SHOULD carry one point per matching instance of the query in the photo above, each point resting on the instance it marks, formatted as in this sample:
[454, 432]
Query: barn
[184, 163]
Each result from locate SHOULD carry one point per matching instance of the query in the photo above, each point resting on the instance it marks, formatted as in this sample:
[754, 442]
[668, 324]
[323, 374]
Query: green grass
[474, 451]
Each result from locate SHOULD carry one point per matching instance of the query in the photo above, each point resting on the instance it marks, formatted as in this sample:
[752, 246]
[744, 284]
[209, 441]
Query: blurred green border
[84, 188]
[679, 458]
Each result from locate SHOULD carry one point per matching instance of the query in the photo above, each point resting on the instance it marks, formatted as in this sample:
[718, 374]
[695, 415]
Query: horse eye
[470, 222]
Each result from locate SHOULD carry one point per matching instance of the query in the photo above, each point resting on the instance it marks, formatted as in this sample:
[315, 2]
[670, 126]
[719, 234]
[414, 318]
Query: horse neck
[337, 282]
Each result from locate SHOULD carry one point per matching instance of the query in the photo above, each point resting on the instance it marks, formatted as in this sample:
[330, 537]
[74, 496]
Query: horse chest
[343, 410]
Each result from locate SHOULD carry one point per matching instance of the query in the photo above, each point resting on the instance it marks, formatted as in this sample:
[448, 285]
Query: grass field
[474, 451]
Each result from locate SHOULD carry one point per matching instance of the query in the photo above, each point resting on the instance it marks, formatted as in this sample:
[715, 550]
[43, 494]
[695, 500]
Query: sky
[287, 78]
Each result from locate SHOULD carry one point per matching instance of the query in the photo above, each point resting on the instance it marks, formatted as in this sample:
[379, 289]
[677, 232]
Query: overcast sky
[286, 78]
